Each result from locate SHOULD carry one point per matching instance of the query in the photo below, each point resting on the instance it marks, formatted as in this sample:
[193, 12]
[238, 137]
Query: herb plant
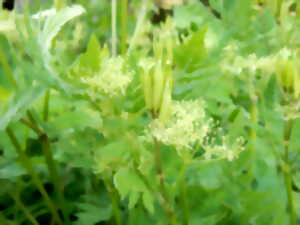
[109, 118]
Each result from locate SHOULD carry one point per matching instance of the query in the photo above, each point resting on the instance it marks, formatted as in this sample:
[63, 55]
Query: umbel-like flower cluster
[111, 80]
[185, 127]
[188, 127]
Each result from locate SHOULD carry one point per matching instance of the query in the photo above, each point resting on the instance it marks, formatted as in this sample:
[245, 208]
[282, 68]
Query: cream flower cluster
[112, 79]
[189, 126]
[185, 127]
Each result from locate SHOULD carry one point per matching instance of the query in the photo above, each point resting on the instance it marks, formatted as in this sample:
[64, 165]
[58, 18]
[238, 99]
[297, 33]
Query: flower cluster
[189, 126]
[112, 79]
[185, 127]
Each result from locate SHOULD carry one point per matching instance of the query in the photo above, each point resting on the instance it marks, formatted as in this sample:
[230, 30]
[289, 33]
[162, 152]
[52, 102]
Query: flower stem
[165, 198]
[124, 22]
[114, 40]
[52, 168]
[288, 126]
[51, 164]
[114, 200]
[253, 136]
[30, 217]
[183, 196]
[46, 106]
[36, 180]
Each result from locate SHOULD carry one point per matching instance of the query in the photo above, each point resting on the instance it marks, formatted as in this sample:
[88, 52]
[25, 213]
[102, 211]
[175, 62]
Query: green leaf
[111, 156]
[21, 102]
[54, 23]
[91, 59]
[92, 213]
[190, 54]
[128, 183]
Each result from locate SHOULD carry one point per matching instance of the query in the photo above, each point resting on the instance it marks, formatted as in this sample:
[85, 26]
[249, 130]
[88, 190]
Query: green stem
[183, 196]
[31, 126]
[51, 164]
[165, 198]
[35, 179]
[124, 22]
[288, 126]
[22, 207]
[52, 168]
[114, 27]
[46, 106]
[253, 118]
[114, 200]
[278, 8]
[253, 134]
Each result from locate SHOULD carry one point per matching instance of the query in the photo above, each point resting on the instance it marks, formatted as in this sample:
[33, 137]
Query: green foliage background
[86, 154]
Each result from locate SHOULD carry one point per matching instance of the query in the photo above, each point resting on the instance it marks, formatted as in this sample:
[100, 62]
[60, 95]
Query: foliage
[195, 120]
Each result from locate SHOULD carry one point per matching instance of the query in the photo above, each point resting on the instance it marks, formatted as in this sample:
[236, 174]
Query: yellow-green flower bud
[148, 89]
[166, 105]
[158, 87]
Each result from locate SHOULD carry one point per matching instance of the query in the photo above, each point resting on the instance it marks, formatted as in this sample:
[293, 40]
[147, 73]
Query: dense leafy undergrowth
[120, 113]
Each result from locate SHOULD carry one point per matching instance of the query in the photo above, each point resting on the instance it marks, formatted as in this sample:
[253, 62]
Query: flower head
[188, 127]
[112, 79]
[185, 127]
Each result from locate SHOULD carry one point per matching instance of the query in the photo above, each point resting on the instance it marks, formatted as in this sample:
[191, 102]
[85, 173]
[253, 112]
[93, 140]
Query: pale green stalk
[46, 105]
[114, 200]
[288, 126]
[183, 196]
[162, 187]
[124, 22]
[253, 134]
[114, 38]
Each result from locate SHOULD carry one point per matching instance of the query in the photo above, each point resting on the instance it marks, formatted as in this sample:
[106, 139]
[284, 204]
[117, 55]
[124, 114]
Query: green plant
[120, 121]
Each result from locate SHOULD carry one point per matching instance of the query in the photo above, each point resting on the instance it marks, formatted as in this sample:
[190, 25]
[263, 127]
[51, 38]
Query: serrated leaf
[190, 54]
[92, 57]
[90, 61]
[130, 185]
